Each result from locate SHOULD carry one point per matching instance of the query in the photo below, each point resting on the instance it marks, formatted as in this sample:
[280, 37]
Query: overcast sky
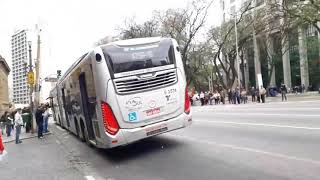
[70, 27]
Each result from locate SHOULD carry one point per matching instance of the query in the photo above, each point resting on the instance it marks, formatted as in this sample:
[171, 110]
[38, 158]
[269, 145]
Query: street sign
[30, 78]
[50, 79]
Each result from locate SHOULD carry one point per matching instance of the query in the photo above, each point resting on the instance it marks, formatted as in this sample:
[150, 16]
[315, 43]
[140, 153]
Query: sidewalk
[313, 95]
[23, 135]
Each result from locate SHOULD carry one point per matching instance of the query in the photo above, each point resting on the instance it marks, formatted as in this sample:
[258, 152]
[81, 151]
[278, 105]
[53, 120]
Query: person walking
[253, 94]
[18, 123]
[45, 119]
[263, 94]
[39, 121]
[283, 89]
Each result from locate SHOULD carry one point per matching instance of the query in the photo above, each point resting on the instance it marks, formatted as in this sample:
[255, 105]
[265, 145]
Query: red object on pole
[1, 143]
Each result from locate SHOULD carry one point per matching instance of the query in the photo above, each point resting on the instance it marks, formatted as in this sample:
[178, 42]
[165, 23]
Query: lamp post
[31, 82]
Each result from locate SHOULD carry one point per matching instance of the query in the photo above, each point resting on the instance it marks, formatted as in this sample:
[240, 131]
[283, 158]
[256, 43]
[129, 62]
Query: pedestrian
[263, 94]
[222, 96]
[238, 95]
[3, 120]
[210, 98]
[2, 150]
[244, 97]
[283, 89]
[45, 119]
[18, 123]
[303, 88]
[253, 94]
[12, 119]
[216, 97]
[230, 96]
[8, 123]
[234, 96]
[202, 98]
[27, 118]
[258, 95]
[39, 120]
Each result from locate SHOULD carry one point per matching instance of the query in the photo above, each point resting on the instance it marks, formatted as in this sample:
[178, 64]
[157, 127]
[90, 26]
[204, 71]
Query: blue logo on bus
[133, 116]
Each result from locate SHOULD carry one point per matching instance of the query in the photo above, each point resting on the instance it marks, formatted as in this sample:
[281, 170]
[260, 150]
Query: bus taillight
[109, 120]
[187, 102]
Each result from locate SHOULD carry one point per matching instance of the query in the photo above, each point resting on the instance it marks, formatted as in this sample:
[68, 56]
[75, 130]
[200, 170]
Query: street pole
[37, 83]
[237, 51]
[31, 90]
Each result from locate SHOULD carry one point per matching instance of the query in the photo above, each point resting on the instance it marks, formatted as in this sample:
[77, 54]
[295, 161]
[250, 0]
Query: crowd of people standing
[17, 119]
[233, 96]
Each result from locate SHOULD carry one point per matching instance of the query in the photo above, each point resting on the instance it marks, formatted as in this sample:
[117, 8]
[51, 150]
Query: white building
[230, 7]
[19, 48]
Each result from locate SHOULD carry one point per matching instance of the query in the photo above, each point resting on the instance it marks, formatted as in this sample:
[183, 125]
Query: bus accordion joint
[109, 120]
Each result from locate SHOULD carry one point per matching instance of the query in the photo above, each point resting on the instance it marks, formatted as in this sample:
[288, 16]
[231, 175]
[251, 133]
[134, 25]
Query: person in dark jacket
[283, 89]
[27, 118]
[39, 120]
[253, 94]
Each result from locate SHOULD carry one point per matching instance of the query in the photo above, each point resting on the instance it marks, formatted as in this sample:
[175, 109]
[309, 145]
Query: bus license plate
[156, 130]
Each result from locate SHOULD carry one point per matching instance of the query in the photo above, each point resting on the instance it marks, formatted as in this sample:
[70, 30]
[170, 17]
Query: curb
[29, 137]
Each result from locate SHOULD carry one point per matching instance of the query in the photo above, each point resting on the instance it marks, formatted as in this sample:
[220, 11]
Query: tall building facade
[19, 49]
[4, 90]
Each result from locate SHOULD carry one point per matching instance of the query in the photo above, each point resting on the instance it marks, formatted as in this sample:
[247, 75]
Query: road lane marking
[260, 124]
[266, 114]
[89, 177]
[239, 148]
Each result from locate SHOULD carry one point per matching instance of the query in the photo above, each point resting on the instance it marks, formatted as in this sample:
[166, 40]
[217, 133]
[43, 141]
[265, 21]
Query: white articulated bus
[123, 92]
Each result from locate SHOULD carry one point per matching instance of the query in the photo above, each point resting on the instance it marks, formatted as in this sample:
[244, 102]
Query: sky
[71, 27]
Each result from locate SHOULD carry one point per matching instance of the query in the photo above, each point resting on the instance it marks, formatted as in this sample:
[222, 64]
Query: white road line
[259, 124]
[89, 177]
[239, 148]
[267, 114]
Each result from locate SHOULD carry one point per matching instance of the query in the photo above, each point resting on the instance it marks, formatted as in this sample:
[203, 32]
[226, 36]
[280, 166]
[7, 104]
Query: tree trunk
[304, 68]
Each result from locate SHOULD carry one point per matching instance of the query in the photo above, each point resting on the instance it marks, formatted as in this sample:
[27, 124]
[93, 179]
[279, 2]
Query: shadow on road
[144, 147]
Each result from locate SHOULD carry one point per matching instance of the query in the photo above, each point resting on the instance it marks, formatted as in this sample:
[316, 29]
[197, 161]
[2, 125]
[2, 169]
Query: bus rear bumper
[127, 136]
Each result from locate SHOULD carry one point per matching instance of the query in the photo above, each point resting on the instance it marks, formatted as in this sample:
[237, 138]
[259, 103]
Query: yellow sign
[30, 78]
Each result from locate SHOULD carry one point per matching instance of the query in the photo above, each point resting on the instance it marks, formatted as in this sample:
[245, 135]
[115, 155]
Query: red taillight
[187, 102]
[109, 120]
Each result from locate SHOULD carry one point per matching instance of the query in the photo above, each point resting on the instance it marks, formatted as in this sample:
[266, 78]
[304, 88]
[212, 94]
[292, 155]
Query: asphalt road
[278, 141]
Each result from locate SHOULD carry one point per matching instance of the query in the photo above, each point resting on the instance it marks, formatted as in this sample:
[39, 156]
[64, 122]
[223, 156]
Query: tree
[181, 24]
[222, 42]
[303, 13]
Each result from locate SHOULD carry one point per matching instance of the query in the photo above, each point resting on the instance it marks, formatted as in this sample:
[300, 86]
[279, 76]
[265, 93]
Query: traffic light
[58, 73]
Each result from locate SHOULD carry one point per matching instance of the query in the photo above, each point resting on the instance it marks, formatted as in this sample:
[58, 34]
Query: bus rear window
[131, 58]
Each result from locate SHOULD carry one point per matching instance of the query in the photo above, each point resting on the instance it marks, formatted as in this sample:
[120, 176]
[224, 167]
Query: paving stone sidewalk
[23, 135]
